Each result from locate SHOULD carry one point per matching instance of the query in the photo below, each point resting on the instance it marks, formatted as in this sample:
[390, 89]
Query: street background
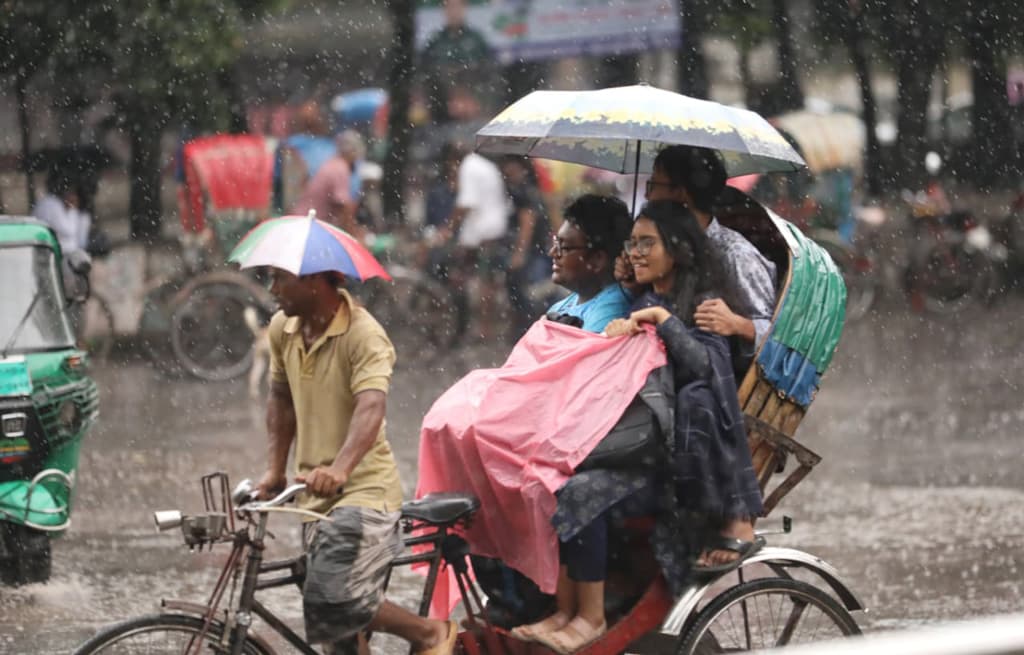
[918, 502]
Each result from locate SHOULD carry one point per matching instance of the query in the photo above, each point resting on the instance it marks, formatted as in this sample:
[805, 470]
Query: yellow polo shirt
[354, 354]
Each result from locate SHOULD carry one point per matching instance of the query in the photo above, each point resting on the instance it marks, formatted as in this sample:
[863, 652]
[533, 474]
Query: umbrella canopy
[608, 128]
[305, 245]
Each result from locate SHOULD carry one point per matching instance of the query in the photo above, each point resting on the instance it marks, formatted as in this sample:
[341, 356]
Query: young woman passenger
[711, 473]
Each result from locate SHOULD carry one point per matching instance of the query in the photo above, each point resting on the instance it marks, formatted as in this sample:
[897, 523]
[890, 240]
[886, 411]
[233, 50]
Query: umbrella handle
[636, 175]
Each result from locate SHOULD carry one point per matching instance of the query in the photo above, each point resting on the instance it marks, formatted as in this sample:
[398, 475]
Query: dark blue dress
[709, 476]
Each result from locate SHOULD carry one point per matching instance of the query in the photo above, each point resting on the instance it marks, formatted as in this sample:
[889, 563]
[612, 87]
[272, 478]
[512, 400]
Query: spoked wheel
[417, 314]
[164, 633]
[209, 335]
[954, 279]
[766, 613]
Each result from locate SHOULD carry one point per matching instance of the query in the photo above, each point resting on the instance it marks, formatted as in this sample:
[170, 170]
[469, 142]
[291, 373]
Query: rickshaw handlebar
[244, 497]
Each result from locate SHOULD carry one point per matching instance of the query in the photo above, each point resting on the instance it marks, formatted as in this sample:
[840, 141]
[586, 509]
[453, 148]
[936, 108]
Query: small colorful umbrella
[305, 245]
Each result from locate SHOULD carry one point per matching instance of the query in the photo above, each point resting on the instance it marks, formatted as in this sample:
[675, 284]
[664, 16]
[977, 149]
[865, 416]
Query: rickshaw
[48, 402]
[196, 323]
[768, 600]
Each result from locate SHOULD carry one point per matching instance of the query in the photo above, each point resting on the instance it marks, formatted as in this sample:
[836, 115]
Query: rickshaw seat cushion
[441, 508]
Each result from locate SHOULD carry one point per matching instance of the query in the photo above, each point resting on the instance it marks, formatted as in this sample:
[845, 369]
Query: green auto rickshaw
[48, 402]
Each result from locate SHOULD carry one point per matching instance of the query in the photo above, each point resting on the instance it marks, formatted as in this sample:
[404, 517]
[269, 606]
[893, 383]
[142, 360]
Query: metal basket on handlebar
[215, 524]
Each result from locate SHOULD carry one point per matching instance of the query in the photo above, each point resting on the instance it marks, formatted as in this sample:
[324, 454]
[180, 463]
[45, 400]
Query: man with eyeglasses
[695, 177]
[583, 260]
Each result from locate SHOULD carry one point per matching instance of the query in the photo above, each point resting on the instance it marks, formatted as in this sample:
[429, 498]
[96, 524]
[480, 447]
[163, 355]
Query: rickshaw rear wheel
[163, 633]
[28, 555]
[766, 613]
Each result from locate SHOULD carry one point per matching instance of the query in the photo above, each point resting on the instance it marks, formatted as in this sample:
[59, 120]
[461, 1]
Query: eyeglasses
[650, 184]
[558, 248]
[642, 246]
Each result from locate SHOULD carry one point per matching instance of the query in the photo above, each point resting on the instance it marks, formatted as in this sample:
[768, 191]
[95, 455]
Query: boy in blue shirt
[583, 260]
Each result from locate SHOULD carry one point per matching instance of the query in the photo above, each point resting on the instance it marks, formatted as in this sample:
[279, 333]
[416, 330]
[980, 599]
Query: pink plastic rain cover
[513, 435]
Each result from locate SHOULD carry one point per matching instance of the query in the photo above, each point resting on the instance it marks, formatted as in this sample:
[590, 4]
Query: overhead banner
[535, 29]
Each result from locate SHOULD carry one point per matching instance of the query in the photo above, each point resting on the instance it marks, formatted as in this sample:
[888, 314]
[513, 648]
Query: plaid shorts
[347, 561]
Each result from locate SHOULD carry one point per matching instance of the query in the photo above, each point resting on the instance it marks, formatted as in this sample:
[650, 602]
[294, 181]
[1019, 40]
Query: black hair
[59, 182]
[685, 242]
[603, 220]
[527, 165]
[699, 170]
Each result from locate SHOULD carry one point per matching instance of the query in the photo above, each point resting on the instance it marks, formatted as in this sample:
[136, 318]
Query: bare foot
[556, 621]
[741, 529]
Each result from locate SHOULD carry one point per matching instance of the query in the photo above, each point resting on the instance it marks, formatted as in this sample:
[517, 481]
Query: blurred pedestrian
[456, 60]
[441, 192]
[330, 192]
[60, 208]
[529, 237]
[474, 236]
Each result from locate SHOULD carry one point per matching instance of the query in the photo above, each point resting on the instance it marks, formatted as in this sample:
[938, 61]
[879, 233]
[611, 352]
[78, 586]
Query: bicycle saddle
[444, 507]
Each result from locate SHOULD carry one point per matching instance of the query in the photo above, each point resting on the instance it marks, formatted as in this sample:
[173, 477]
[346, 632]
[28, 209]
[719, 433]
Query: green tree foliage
[162, 62]
[29, 33]
[914, 38]
[167, 61]
[749, 24]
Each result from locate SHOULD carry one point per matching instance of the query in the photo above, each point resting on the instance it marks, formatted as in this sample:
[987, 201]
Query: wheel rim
[768, 619]
[167, 639]
[209, 334]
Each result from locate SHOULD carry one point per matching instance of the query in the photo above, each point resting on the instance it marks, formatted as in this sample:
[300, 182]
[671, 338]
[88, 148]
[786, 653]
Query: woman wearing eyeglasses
[704, 514]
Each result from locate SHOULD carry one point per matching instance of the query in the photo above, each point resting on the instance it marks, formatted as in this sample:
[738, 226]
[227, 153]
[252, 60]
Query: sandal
[739, 546]
[576, 635]
[533, 631]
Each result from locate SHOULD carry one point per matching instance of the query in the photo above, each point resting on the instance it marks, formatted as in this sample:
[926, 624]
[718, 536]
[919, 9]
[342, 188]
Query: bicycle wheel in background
[164, 633]
[417, 313]
[766, 613]
[209, 334]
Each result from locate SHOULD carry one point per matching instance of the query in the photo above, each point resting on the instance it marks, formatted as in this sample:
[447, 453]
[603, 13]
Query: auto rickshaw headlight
[13, 425]
[68, 416]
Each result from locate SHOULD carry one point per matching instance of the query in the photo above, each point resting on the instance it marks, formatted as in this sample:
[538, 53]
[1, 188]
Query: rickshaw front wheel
[766, 613]
[163, 633]
[27, 555]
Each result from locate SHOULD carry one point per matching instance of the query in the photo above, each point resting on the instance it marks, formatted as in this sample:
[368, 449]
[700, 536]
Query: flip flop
[744, 548]
[585, 634]
[447, 646]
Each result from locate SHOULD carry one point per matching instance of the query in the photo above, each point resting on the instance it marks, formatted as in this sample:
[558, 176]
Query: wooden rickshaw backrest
[780, 385]
[228, 183]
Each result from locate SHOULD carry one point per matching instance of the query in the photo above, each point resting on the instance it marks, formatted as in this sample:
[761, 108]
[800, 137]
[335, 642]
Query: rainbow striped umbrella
[305, 245]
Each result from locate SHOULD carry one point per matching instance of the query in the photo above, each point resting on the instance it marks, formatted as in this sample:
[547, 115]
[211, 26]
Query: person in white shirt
[60, 209]
[479, 224]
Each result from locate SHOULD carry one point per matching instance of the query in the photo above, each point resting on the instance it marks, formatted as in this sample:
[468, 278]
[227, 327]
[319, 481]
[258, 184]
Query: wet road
[919, 501]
